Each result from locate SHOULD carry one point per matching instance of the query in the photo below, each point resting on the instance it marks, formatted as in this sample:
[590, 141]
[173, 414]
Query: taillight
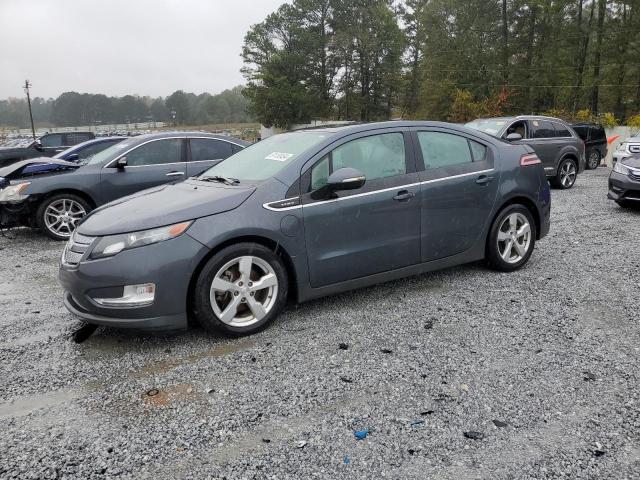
[529, 159]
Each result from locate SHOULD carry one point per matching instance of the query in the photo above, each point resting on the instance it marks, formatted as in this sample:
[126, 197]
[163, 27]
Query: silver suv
[629, 148]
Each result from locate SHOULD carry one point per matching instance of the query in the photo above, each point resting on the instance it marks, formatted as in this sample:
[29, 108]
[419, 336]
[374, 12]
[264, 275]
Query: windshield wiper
[218, 178]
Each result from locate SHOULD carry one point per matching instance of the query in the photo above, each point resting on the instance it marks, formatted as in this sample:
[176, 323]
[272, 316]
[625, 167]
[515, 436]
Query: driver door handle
[175, 174]
[484, 180]
[404, 195]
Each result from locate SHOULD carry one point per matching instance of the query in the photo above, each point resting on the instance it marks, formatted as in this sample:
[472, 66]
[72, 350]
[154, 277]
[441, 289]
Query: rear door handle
[404, 195]
[175, 174]
[484, 180]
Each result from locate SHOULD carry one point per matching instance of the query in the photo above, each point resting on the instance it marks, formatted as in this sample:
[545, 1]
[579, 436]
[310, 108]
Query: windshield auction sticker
[279, 156]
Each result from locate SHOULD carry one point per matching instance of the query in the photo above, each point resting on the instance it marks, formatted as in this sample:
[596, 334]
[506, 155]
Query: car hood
[36, 166]
[164, 205]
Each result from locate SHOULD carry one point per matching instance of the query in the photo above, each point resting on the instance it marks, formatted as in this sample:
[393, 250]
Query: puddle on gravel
[25, 405]
[169, 364]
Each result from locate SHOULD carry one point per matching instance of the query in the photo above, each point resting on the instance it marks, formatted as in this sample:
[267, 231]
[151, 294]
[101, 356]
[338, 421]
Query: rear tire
[57, 216]
[593, 159]
[567, 174]
[240, 290]
[511, 239]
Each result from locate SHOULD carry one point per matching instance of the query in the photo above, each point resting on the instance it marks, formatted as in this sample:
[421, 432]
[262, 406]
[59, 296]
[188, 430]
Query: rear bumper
[621, 187]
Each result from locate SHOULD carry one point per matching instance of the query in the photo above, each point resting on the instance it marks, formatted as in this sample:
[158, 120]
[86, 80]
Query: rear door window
[561, 130]
[441, 149]
[76, 138]
[598, 133]
[53, 140]
[209, 149]
[542, 129]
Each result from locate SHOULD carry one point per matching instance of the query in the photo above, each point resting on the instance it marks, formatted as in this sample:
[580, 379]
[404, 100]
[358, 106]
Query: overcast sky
[118, 47]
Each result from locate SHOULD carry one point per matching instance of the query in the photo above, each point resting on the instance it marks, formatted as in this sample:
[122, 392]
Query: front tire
[567, 174]
[240, 290]
[593, 159]
[511, 240]
[58, 215]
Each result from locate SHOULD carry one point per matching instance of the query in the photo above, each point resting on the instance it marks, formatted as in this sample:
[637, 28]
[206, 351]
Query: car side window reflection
[377, 156]
[444, 150]
[156, 153]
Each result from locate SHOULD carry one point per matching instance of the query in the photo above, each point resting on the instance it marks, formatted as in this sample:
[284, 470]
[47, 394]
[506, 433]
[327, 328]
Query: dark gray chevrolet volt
[302, 215]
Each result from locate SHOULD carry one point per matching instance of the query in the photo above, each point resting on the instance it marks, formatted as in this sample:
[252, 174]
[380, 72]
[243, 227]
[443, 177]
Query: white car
[628, 148]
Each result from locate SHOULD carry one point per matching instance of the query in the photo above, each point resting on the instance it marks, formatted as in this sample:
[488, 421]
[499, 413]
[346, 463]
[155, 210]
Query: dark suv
[56, 195]
[595, 141]
[47, 145]
[561, 150]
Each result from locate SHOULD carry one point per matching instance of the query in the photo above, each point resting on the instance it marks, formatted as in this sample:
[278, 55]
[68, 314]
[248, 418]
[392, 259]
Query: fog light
[132, 296]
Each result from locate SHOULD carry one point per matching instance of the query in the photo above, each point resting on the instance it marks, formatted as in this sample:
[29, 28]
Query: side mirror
[121, 163]
[74, 157]
[513, 137]
[38, 146]
[341, 179]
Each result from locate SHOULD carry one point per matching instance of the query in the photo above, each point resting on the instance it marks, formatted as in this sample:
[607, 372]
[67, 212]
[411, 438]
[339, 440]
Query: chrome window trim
[220, 139]
[364, 194]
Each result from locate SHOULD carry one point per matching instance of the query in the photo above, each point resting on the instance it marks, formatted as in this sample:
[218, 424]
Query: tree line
[72, 108]
[444, 60]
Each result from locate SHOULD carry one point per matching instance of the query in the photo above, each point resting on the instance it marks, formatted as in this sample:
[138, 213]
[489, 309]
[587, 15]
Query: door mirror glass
[121, 163]
[74, 157]
[514, 137]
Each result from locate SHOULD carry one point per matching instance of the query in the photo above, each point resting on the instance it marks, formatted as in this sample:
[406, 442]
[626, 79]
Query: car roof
[364, 127]
[171, 134]
[525, 117]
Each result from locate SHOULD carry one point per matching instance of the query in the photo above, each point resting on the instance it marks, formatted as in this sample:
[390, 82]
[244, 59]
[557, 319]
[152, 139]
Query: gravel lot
[542, 364]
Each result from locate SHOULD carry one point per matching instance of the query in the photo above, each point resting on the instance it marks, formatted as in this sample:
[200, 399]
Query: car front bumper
[169, 265]
[623, 187]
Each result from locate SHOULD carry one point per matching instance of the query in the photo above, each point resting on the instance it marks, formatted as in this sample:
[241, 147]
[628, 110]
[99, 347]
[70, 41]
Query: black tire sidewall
[589, 159]
[48, 201]
[203, 311]
[493, 255]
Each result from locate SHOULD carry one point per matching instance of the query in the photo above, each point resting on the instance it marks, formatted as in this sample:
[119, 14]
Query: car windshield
[492, 126]
[111, 152]
[264, 159]
[64, 152]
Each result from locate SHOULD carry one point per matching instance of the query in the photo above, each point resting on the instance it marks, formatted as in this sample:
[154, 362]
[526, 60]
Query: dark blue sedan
[84, 150]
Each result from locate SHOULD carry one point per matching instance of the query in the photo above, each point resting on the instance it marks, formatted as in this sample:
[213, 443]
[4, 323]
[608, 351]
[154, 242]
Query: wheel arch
[79, 193]
[267, 242]
[525, 202]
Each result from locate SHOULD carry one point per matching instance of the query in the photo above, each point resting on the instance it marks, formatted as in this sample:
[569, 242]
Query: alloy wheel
[62, 216]
[567, 174]
[594, 160]
[244, 291]
[514, 238]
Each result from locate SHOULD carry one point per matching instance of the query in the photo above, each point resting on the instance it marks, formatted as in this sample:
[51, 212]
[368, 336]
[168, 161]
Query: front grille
[76, 248]
[634, 175]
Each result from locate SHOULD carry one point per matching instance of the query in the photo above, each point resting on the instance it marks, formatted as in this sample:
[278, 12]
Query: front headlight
[622, 147]
[114, 244]
[620, 168]
[13, 193]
